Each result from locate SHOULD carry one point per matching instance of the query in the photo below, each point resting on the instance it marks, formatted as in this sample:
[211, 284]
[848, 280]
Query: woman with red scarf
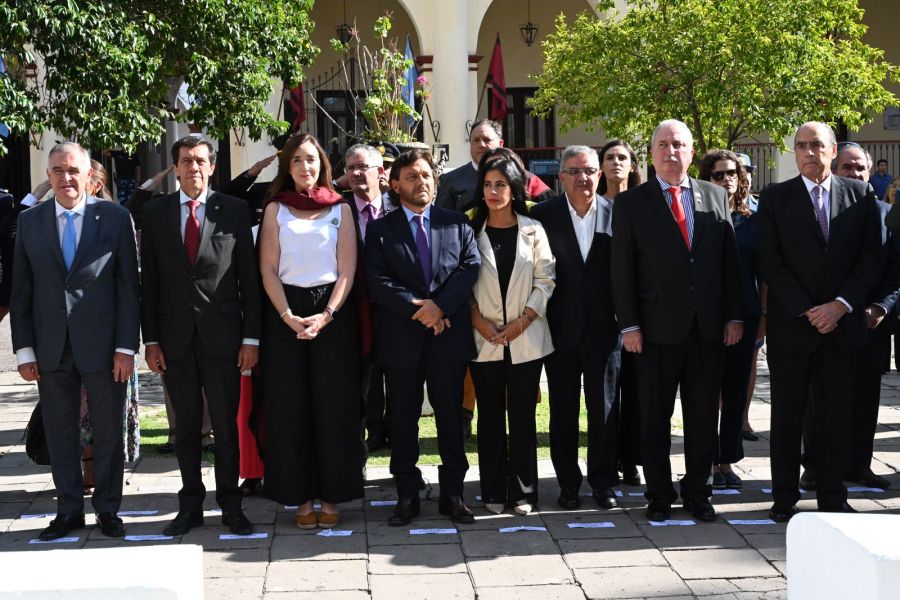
[307, 255]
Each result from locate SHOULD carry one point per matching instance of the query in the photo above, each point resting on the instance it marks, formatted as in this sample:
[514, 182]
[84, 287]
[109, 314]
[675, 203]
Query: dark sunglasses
[720, 175]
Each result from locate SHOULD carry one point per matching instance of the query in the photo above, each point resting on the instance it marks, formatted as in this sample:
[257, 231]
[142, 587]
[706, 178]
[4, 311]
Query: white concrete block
[843, 556]
[140, 573]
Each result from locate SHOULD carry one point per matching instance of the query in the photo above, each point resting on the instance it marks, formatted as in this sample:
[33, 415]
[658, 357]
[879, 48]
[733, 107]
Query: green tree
[727, 68]
[108, 65]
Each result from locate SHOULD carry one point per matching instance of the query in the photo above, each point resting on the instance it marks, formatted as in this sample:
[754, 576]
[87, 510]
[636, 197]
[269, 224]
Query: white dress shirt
[584, 226]
[826, 202]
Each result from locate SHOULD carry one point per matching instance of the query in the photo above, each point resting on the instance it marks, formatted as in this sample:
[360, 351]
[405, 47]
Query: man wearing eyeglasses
[583, 325]
[819, 252]
[678, 300]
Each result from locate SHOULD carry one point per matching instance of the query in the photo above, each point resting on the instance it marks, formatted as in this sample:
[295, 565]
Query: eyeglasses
[575, 171]
[720, 175]
[359, 168]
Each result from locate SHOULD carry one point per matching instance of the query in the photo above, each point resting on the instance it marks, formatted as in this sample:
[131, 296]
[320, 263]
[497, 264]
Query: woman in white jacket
[511, 334]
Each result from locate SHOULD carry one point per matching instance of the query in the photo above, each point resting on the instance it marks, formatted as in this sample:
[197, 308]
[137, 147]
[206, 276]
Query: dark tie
[422, 247]
[369, 211]
[678, 213]
[821, 217]
[192, 232]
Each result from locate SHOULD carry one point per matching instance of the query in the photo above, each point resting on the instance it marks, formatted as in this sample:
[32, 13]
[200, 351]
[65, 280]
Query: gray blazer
[96, 304]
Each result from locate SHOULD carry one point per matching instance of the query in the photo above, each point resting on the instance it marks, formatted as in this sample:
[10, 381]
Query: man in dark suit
[819, 253]
[677, 292]
[364, 169]
[421, 265]
[75, 314]
[201, 320]
[583, 325]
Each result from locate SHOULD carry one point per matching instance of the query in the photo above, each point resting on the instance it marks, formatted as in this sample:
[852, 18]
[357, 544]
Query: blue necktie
[69, 243]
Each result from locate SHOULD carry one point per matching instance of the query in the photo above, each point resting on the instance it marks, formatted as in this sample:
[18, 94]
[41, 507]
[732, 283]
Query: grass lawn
[154, 432]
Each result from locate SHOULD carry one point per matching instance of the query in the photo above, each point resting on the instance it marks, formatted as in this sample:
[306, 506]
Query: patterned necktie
[821, 217]
[424, 250]
[192, 232]
[69, 241]
[678, 213]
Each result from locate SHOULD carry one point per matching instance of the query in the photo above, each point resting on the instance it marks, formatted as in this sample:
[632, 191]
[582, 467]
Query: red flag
[495, 77]
[298, 105]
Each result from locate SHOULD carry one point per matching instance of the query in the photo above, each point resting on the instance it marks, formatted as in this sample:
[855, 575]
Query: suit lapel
[213, 214]
[840, 201]
[806, 212]
[661, 208]
[565, 217]
[173, 222]
[404, 234]
[49, 207]
[88, 233]
[485, 248]
[435, 243]
[603, 225]
[702, 204]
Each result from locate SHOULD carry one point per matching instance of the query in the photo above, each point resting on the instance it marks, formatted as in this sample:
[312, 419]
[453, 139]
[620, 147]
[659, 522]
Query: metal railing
[889, 150]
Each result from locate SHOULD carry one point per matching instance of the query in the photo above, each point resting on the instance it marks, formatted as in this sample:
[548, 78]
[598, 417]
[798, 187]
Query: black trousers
[508, 468]
[629, 412]
[600, 369]
[312, 404]
[445, 393]
[60, 396]
[695, 366]
[735, 382]
[827, 375]
[866, 400]
[186, 378]
[378, 406]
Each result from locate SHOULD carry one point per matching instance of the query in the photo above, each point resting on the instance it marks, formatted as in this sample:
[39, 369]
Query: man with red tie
[677, 293]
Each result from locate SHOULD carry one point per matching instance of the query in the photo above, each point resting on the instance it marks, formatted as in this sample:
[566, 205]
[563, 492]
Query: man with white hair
[677, 290]
[75, 320]
[819, 252]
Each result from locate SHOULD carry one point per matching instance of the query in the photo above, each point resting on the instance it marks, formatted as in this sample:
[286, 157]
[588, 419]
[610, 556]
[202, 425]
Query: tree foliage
[108, 65]
[727, 68]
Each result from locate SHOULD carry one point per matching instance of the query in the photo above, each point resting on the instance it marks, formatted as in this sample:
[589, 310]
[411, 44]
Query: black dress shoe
[167, 448]
[867, 478]
[250, 486]
[605, 498]
[808, 479]
[60, 526]
[841, 508]
[630, 475]
[568, 498]
[702, 510]
[237, 522]
[658, 510]
[456, 509]
[782, 515]
[111, 525]
[404, 512]
[750, 436]
[183, 522]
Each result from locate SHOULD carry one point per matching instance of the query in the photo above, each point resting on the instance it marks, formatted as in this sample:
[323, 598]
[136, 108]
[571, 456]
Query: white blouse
[308, 248]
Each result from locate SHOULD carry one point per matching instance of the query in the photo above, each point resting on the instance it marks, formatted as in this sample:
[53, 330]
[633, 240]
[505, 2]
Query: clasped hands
[825, 317]
[499, 335]
[430, 315]
[307, 328]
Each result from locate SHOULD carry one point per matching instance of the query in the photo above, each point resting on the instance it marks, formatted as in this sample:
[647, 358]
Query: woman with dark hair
[307, 255]
[508, 305]
[618, 163]
[725, 169]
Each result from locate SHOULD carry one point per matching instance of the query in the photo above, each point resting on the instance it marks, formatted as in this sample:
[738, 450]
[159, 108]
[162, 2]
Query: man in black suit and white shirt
[677, 290]
[75, 321]
[820, 254]
[421, 264]
[583, 325]
[201, 321]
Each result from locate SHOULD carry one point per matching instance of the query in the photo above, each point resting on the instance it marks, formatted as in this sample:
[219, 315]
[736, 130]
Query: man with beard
[421, 264]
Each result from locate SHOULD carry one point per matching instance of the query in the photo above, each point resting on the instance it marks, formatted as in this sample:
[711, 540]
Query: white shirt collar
[410, 214]
[78, 208]
[810, 184]
[362, 202]
[184, 198]
[591, 211]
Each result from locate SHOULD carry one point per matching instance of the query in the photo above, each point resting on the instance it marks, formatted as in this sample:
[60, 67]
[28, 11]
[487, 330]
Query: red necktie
[678, 213]
[192, 232]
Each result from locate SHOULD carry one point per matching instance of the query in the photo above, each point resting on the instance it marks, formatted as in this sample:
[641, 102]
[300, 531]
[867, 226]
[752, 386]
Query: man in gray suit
[75, 320]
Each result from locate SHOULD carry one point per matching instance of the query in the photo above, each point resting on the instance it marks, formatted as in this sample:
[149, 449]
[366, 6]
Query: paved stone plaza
[568, 555]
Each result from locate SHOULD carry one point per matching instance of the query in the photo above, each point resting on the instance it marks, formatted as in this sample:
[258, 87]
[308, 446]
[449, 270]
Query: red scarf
[313, 199]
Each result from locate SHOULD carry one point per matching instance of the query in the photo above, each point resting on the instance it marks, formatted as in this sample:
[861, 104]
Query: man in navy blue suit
[421, 264]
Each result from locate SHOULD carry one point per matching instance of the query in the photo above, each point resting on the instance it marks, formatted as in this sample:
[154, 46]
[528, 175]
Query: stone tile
[700, 535]
[520, 543]
[719, 563]
[760, 584]
[326, 575]
[241, 588]
[711, 587]
[602, 553]
[778, 595]
[416, 558]
[532, 592]
[311, 546]
[455, 586]
[503, 571]
[208, 536]
[772, 546]
[558, 523]
[251, 562]
[631, 582]
[342, 595]
[382, 534]
[285, 524]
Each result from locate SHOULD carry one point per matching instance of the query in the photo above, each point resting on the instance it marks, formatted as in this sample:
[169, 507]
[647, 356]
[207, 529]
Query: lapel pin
[96, 217]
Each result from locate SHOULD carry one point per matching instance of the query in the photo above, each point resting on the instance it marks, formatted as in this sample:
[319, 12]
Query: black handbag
[35, 440]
